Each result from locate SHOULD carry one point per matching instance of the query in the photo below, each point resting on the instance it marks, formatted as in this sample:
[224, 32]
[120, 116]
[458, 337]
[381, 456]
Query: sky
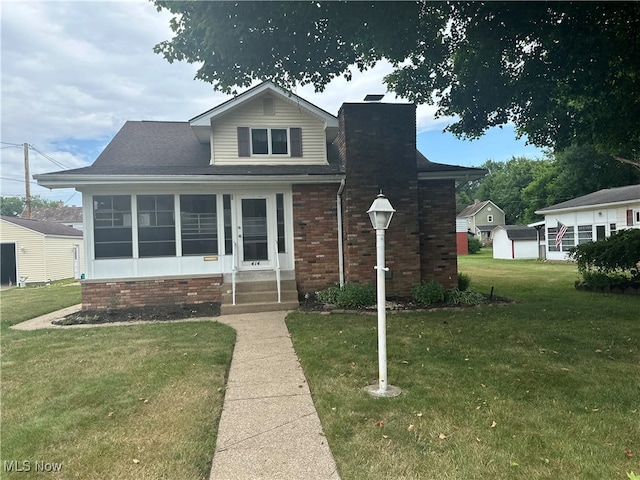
[72, 72]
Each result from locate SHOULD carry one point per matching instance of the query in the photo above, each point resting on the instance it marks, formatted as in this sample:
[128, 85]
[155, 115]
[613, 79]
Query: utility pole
[27, 209]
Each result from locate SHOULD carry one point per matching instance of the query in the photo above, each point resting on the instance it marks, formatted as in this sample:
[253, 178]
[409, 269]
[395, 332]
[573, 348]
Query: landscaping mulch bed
[150, 313]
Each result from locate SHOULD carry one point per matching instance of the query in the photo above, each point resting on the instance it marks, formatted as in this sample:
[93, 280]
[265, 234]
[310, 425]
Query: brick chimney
[377, 145]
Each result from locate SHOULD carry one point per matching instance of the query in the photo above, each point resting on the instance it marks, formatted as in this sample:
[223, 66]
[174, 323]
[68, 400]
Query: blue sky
[83, 68]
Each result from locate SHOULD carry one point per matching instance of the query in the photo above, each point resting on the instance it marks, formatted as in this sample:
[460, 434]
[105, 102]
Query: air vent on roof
[373, 97]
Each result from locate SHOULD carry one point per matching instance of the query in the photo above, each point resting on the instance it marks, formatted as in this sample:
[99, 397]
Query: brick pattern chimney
[377, 146]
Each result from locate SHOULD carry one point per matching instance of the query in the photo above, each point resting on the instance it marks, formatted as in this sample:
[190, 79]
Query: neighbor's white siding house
[591, 217]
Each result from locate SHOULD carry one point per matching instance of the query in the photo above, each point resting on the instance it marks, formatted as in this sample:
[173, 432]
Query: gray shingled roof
[520, 232]
[46, 228]
[172, 148]
[59, 214]
[601, 197]
[472, 209]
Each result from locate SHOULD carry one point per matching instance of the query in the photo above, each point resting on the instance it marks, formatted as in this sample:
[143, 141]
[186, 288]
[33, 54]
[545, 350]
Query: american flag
[560, 231]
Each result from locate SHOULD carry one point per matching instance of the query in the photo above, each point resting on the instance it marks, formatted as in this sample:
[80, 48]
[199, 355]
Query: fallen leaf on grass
[411, 427]
[379, 424]
[135, 460]
[494, 424]
[628, 453]
[442, 436]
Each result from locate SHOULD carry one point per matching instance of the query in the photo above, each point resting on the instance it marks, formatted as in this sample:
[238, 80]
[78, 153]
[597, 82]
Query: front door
[254, 233]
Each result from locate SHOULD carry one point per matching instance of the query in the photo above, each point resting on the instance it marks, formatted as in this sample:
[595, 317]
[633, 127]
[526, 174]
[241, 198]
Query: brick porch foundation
[142, 292]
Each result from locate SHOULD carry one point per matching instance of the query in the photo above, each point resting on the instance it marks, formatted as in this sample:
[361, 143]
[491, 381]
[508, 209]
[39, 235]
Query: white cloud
[74, 71]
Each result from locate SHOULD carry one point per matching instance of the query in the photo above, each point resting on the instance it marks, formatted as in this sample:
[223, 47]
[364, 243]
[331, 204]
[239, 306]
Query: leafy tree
[563, 72]
[13, 206]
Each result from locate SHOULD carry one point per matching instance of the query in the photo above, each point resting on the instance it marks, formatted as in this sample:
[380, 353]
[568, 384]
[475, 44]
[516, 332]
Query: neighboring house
[67, 215]
[591, 217]
[261, 187]
[37, 252]
[482, 218]
[515, 242]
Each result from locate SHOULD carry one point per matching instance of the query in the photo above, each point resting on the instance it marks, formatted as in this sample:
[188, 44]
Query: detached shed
[35, 251]
[513, 242]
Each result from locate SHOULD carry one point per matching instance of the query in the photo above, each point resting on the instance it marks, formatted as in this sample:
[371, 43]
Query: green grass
[125, 402]
[547, 387]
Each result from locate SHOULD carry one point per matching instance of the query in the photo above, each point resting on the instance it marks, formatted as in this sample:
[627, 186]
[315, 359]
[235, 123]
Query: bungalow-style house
[70, 216]
[36, 252]
[515, 242]
[261, 199]
[589, 218]
[482, 218]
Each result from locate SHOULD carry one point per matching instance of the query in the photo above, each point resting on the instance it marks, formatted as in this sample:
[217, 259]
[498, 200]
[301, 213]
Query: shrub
[610, 261]
[474, 245]
[356, 295]
[351, 295]
[427, 293]
[466, 297]
[463, 281]
[329, 295]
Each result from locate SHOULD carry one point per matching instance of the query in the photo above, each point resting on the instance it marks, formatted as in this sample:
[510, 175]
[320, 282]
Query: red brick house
[265, 186]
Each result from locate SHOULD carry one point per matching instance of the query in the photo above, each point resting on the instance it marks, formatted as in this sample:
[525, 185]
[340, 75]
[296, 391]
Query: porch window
[112, 226]
[568, 240]
[282, 248]
[156, 226]
[585, 234]
[199, 225]
[228, 230]
[612, 228]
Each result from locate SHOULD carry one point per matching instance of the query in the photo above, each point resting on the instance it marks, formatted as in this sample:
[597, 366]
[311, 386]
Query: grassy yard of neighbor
[126, 402]
[547, 387]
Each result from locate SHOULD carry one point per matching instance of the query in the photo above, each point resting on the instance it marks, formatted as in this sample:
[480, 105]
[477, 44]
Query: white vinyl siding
[287, 115]
[42, 257]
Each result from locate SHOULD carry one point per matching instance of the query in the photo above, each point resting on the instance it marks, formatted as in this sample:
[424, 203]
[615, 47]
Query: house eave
[452, 175]
[80, 181]
[585, 207]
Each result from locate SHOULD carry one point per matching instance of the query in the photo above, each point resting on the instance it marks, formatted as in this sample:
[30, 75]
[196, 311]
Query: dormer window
[260, 142]
[269, 141]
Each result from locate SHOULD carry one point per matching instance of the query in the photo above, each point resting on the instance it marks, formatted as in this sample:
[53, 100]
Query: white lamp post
[380, 213]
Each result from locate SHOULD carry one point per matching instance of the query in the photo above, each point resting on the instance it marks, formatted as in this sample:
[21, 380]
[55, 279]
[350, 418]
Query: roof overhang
[79, 181]
[467, 175]
[582, 208]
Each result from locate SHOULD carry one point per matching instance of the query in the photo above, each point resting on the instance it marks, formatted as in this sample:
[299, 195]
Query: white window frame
[270, 142]
[490, 218]
[636, 217]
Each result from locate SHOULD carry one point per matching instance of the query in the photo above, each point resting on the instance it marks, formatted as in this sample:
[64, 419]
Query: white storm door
[254, 233]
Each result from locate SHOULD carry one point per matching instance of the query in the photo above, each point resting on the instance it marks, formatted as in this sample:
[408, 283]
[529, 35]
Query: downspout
[340, 253]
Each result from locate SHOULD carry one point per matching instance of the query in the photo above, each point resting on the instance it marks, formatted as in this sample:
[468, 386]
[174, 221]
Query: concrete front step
[261, 286]
[228, 309]
[260, 297]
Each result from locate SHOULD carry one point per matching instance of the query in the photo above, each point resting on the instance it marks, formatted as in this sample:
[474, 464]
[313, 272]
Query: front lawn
[547, 387]
[116, 402]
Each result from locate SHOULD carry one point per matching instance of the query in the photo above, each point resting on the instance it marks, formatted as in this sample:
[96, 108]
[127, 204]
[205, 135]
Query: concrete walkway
[269, 428]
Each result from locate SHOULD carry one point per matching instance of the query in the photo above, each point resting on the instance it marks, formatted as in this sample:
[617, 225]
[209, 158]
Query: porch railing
[277, 268]
[233, 271]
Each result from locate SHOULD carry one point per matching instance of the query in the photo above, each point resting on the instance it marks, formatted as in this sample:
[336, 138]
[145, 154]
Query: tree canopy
[563, 73]
[14, 206]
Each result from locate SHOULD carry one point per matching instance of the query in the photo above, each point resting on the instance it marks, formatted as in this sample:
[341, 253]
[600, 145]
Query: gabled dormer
[266, 125]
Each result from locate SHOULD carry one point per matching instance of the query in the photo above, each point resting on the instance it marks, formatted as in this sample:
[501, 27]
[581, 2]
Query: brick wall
[100, 295]
[377, 146]
[315, 228]
[438, 259]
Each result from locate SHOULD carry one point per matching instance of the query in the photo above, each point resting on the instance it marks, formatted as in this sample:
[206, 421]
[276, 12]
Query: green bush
[351, 295]
[463, 281]
[466, 297]
[329, 295]
[427, 293]
[610, 261]
[474, 245]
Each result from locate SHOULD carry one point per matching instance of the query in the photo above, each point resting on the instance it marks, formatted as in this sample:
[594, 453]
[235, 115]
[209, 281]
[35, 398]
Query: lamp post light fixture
[380, 214]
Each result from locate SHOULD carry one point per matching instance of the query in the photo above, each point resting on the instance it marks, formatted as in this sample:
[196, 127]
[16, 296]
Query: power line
[12, 144]
[52, 160]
